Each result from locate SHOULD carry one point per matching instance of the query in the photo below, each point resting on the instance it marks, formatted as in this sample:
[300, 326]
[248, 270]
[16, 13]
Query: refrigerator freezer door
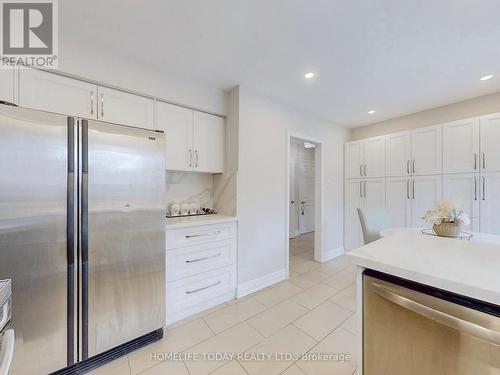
[125, 268]
[33, 246]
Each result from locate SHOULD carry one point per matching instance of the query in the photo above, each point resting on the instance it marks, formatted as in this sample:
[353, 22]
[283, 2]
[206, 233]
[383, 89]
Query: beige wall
[457, 111]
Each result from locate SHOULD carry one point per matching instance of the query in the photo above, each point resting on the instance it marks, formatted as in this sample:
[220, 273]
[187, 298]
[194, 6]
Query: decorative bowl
[447, 229]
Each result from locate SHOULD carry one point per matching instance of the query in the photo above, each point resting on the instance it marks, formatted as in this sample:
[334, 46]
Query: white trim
[333, 253]
[262, 282]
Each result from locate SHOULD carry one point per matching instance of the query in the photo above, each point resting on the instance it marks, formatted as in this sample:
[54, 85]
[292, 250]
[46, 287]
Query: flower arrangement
[447, 219]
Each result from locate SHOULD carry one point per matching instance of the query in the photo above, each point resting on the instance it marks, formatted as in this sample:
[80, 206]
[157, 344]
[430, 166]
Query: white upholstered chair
[373, 220]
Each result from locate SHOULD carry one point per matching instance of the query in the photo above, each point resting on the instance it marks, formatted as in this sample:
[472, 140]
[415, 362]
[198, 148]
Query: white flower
[447, 212]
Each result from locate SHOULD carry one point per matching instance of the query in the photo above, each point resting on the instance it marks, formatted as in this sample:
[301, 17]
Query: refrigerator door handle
[84, 242]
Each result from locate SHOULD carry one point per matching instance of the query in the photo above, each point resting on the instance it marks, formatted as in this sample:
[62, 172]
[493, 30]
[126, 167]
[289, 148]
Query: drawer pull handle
[205, 287]
[203, 234]
[199, 259]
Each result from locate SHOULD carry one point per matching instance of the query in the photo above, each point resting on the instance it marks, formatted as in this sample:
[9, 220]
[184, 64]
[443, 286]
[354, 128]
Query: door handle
[365, 188]
[361, 170]
[439, 316]
[413, 166]
[361, 189]
[484, 188]
[92, 102]
[413, 192]
[484, 160]
[408, 166]
[203, 234]
[102, 105]
[205, 287]
[190, 157]
[292, 202]
[408, 189]
[365, 170]
[475, 188]
[205, 258]
[196, 158]
[475, 161]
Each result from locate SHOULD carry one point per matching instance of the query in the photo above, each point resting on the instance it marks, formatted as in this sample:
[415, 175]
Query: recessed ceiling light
[309, 75]
[485, 78]
[371, 111]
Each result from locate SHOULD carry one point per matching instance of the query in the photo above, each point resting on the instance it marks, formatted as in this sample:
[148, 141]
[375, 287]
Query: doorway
[305, 187]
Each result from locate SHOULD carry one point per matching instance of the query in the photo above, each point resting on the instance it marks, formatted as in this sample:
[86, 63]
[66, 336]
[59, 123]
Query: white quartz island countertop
[469, 268]
[183, 222]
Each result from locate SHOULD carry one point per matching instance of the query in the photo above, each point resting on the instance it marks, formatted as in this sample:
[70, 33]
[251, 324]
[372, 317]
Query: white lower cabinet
[201, 268]
[463, 189]
[490, 202]
[427, 192]
[398, 201]
[7, 85]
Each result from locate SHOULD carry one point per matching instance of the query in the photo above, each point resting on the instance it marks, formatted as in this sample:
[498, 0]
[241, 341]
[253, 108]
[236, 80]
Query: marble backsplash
[182, 186]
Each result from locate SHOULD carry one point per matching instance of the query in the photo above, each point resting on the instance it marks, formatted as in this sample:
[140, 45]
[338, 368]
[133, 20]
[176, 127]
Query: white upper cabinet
[398, 155]
[121, 107]
[365, 158]
[427, 191]
[461, 146]
[374, 157]
[490, 203]
[7, 85]
[427, 149]
[465, 190]
[353, 159]
[195, 141]
[490, 143]
[398, 200]
[54, 93]
[177, 123]
[209, 143]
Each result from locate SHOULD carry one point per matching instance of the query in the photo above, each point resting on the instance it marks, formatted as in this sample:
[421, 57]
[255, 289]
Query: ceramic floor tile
[277, 317]
[342, 346]
[293, 370]
[278, 293]
[170, 368]
[306, 266]
[341, 279]
[234, 340]
[289, 340]
[333, 266]
[175, 340]
[231, 368]
[117, 367]
[233, 314]
[296, 259]
[308, 279]
[197, 316]
[322, 320]
[351, 324]
[346, 298]
[315, 295]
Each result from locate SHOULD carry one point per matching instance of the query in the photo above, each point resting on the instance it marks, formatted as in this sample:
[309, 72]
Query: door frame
[319, 250]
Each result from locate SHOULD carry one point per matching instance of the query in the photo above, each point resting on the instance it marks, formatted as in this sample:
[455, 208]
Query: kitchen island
[465, 272]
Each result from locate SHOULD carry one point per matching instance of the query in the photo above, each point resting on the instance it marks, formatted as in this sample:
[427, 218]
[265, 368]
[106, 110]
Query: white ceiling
[395, 56]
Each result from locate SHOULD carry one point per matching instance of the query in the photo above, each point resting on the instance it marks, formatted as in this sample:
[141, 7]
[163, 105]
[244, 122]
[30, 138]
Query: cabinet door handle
[102, 105]
[203, 234]
[484, 160]
[475, 161]
[475, 188]
[92, 102]
[190, 158]
[408, 166]
[365, 188]
[361, 189]
[484, 188]
[361, 170]
[408, 189]
[365, 170]
[413, 166]
[205, 287]
[196, 158]
[413, 189]
[205, 258]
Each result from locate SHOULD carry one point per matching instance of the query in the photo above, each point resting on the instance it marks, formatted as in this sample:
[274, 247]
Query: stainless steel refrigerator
[82, 237]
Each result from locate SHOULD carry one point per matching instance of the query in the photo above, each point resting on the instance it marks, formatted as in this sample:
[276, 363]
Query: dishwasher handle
[438, 316]
[7, 352]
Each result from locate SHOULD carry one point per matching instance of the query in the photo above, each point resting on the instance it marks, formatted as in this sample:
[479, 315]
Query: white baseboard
[333, 253]
[262, 282]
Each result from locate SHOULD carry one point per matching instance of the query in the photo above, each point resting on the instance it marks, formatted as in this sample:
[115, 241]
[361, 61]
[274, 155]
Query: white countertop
[470, 268]
[183, 222]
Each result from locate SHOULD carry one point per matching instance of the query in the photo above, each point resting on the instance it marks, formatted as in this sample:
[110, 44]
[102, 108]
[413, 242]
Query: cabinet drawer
[187, 293]
[201, 234]
[189, 261]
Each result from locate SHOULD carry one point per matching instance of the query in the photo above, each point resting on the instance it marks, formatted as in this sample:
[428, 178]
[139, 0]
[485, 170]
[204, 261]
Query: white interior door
[461, 146]
[177, 123]
[427, 191]
[209, 143]
[306, 196]
[398, 154]
[490, 136]
[374, 157]
[463, 189]
[398, 200]
[353, 237]
[353, 159]
[427, 147]
[490, 203]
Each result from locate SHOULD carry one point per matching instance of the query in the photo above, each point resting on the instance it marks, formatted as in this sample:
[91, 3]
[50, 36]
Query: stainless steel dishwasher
[413, 329]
